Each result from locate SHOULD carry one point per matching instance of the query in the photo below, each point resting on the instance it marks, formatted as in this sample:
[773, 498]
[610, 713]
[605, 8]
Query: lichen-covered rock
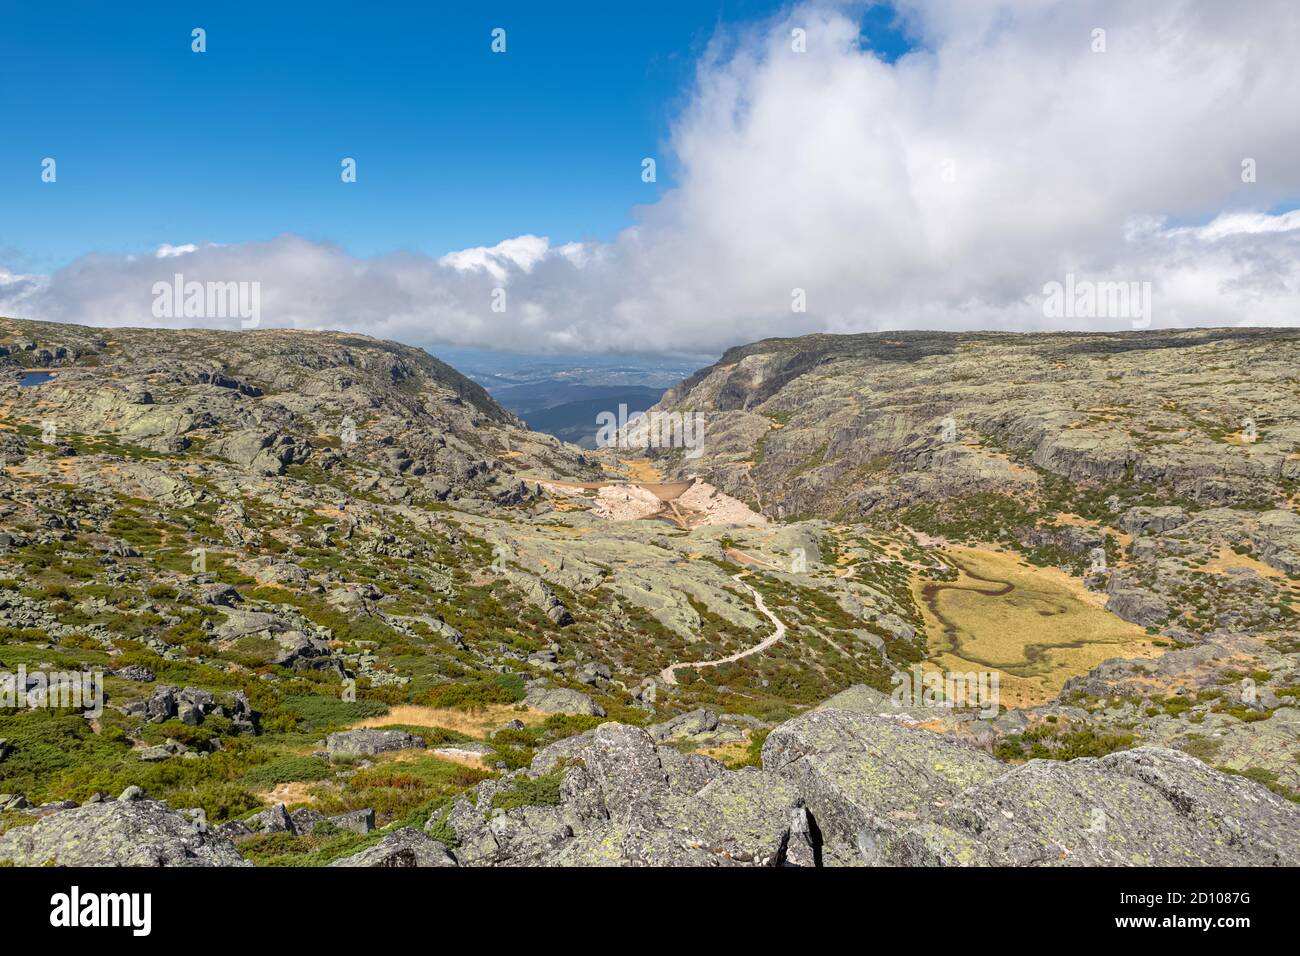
[1143, 807]
[366, 743]
[1137, 605]
[740, 817]
[622, 801]
[689, 724]
[358, 821]
[623, 763]
[562, 700]
[861, 775]
[274, 819]
[403, 848]
[119, 833]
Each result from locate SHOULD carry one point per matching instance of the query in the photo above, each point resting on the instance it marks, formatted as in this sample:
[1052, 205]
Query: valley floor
[1037, 627]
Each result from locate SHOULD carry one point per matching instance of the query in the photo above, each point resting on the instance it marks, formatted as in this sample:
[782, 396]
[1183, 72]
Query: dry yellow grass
[640, 469]
[1036, 627]
[288, 794]
[1230, 559]
[464, 759]
[473, 723]
[728, 753]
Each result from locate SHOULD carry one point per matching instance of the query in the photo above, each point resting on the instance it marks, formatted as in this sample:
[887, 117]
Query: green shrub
[477, 693]
[285, 770]
[219, 801]
[754, 753]
[318, 849]
[317, 712]
[543, 791]
[1061, 742]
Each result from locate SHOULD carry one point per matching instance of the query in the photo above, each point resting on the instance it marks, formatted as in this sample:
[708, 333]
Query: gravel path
[667, 675]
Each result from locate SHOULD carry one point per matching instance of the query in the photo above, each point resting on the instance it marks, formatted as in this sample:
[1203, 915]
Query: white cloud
[522, 252]
[166, 251]
[940, 191]
[1247, 224]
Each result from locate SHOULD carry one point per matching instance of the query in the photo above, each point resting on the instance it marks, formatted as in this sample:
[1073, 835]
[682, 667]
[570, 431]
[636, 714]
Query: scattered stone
[562, 700]
[347, 744]
[358, 821]
[403, 848]
[272, 820]
[135, 672]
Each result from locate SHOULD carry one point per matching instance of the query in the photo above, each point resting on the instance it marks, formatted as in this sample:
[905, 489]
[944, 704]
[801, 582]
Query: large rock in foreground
[611, 797]
[1144, 807]
[848, 788]
[118, 833]
[863, 776]
[837, 788]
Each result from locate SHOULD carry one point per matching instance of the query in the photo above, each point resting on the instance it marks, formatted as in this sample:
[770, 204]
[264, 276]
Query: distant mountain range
[561, 395]
[574, 421]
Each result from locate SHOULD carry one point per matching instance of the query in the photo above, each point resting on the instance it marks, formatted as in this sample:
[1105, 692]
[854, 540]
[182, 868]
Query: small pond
[34, 378]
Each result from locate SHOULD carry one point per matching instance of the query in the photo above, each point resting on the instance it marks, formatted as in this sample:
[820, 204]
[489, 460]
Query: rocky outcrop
[859, 423]
[1144, 807]
[125, 832]
[844, 788]
[863, 776]
[611, 797]
[191, 705]
[837, 787]
[562, 700]
[1137, 605]
[402, 848]
[347, 744]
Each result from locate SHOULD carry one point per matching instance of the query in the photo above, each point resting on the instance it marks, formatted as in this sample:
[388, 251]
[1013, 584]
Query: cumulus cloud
[942, 190]
[168, 251]
[522, 252]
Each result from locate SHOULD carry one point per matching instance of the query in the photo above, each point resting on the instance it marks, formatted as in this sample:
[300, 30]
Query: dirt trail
[667, 675]
[740, 557]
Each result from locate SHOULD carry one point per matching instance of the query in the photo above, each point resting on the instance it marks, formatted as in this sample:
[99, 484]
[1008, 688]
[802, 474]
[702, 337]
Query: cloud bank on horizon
[944, 190]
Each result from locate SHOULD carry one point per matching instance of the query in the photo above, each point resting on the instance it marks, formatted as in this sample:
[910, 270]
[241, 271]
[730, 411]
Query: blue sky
[455, 146]
[940, 177]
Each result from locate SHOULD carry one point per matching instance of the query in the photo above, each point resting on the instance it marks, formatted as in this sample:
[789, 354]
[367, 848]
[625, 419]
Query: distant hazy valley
[563, 395]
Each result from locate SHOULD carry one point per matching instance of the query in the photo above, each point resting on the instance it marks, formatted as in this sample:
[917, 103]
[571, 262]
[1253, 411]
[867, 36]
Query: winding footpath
[667, 675]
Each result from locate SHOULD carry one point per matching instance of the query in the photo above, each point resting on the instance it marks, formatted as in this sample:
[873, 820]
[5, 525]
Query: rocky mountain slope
[1161, 469]
[350, 612]
[273, 400]
[843, 426]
